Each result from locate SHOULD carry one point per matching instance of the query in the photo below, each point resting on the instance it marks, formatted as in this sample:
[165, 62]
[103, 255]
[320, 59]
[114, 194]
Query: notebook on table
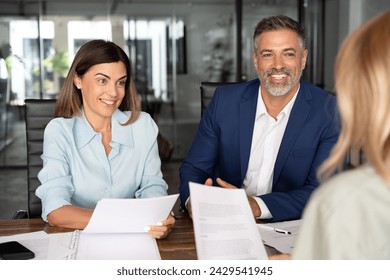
[118, 229]
[112, 246]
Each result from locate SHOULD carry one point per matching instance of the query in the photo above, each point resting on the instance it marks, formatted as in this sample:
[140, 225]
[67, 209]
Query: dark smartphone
[13, 250]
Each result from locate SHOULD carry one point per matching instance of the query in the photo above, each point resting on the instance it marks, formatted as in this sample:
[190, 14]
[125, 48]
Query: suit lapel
[298, 116]
[247, 114]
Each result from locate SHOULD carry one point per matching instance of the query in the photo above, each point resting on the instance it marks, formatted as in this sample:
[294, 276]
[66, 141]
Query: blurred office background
[173, 46]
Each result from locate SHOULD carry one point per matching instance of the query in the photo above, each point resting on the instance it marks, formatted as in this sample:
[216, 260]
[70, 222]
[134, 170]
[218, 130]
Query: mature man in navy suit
[269, 135]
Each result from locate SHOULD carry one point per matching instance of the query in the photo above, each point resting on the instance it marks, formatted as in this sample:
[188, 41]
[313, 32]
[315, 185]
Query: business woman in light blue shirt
[100, 145]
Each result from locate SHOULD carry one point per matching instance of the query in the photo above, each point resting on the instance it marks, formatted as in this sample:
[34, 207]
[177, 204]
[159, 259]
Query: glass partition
[173, 46]
[22, 51]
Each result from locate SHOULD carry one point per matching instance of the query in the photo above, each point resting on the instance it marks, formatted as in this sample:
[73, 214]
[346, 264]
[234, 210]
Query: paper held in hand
[224, 225]
[129, 215]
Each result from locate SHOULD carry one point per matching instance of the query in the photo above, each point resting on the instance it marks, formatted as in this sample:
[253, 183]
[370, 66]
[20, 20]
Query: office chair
[38, 112]
[207, 90]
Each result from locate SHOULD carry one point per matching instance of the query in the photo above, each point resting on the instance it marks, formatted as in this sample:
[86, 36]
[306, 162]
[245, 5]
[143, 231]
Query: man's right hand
[209, 182]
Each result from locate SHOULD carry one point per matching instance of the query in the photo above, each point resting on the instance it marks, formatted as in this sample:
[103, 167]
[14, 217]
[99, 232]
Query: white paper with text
[224, 225]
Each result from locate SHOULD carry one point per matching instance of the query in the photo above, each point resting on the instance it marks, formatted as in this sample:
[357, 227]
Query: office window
[157, 50]
[29, 47]
[82, 31]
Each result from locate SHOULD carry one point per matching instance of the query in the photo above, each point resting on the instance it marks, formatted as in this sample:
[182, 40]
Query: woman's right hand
[164, 228]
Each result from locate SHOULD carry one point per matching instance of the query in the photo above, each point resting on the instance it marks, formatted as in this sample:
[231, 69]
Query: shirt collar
[118, 134]
[84, 132]
[261, 109]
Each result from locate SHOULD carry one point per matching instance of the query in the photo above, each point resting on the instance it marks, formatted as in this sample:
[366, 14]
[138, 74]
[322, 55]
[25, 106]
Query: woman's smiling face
[103, 89]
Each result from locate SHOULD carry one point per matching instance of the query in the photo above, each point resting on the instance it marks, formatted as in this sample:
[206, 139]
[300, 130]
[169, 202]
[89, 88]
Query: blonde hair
[362, 75]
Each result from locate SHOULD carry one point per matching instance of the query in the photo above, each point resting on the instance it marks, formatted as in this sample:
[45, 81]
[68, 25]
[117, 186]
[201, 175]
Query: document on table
[224, 225]
[280, 235]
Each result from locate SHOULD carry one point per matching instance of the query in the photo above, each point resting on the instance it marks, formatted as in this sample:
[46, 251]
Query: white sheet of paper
[224, 226]
[121, 246]
[103, 246]
[284, 243]
[129, 215]
[59, 248]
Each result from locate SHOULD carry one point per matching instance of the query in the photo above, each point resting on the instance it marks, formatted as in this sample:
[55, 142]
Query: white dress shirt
[266, 139]
[347, 218]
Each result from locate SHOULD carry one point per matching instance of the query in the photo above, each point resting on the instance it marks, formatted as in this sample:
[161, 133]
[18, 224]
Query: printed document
[224, 225]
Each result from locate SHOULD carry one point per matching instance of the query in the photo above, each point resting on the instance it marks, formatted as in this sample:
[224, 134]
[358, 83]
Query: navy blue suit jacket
[221, 147]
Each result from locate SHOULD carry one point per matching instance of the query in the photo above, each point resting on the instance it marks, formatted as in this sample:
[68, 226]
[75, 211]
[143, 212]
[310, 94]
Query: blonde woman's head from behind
[362, 76]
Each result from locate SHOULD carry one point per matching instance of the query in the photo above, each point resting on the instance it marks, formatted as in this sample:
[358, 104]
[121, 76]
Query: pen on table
[282, 231]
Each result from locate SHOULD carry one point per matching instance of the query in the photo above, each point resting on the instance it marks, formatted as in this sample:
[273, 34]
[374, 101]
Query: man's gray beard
[278, 89]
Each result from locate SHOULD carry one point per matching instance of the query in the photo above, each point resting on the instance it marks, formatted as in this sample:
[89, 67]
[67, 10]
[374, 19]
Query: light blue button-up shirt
[77, 171]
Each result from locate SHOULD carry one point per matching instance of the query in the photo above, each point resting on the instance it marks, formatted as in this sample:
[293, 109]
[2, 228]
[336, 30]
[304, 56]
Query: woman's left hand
[163, 229]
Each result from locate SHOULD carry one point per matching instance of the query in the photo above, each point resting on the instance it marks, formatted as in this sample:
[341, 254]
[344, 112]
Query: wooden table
[178, 245]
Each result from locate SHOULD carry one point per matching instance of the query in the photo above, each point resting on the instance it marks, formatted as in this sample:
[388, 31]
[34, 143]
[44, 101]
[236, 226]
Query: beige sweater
[348, 217]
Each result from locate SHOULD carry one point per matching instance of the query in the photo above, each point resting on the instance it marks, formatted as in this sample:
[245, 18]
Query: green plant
[58, 63]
